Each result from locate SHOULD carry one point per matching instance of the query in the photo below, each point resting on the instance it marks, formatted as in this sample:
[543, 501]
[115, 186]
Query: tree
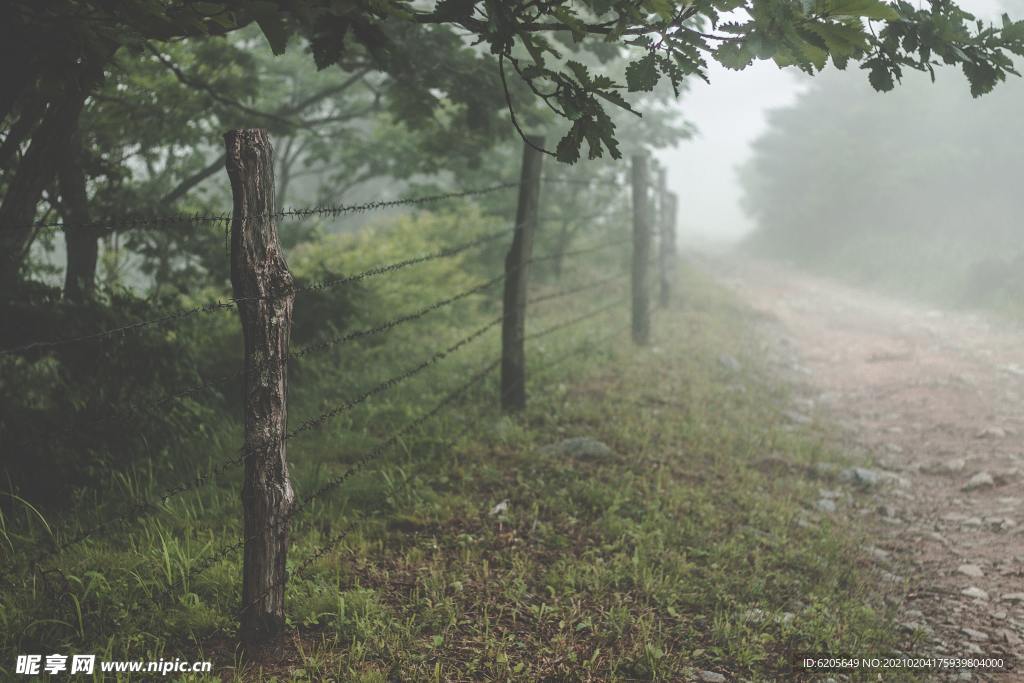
[66, 45]
[918, 190]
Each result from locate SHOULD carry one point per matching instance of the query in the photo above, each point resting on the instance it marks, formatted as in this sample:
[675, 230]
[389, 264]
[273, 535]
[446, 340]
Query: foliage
[64, 411]
[665, 39]
[938, 217]
[634, 566]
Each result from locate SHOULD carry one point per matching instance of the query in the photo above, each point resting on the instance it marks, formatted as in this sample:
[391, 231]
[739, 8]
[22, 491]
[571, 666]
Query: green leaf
[867, 9]
[881, 78]
[642, 75]
[271, 22]
[736, 56]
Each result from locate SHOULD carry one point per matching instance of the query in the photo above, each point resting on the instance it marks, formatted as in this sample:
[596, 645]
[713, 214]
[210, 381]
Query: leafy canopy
[539, 42]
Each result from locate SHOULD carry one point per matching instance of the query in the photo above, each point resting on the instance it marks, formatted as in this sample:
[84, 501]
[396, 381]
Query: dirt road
[936, 399]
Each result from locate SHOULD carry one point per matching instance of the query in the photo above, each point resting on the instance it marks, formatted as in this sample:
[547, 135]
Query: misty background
[926, 160]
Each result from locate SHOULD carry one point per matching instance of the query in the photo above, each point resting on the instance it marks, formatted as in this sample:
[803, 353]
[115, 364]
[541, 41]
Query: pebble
[1013, 597]
[971, 570]
[991, 433]
[711, 677]
[974, 634]
[1008, 636]
[981, 480]
[826, 505]
[878, 553]
[860, 475]
[975, 592]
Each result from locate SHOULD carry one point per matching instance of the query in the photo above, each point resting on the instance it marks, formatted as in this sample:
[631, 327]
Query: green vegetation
[471, 550]
[938, 219]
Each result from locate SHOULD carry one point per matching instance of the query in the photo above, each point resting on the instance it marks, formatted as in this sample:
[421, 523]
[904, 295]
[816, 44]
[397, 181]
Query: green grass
[674, 555]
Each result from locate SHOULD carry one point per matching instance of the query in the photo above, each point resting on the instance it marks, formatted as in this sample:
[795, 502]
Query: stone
[582, 447]
[826, 505]
[1008, 637]
[974, 592]
[879, 554]
[711, 677]
[861, 476]
[981, 480]
[971, 570]
[974, 634]
[729, 362]
[500, 508]
[945, 467]
[1013, 598]
[991, 433]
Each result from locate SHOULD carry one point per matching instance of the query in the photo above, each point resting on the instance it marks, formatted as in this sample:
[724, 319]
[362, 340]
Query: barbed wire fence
[264, 301]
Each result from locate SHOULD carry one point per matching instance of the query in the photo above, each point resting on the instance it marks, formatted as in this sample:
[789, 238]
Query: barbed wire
[339, 536]
[231, 303]
[576, 290]
[405, 263]
[225, 218]
[583, 250]
[125, 329]
[571, 321]
[362, 461]
[146, 506]
[142, 507]
[594, 182]
[314, 422]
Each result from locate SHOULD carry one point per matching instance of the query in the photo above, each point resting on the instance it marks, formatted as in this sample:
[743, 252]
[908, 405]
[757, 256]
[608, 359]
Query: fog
[730, 114]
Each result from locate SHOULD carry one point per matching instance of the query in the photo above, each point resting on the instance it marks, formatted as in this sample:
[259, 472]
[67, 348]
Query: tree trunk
[517, 270]
[263, 285]
[38, 169]
[81, 239]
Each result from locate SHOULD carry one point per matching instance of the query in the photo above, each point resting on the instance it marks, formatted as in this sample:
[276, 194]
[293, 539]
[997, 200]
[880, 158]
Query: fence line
[353, 469]
[145, 506]
[516, 265]
[231, 303]
[224, 218]
[314, 422]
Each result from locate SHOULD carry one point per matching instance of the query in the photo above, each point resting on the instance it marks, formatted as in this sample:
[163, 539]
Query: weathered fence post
[641, 250]
[664, 240]
[263, 287]
[668, 237]
[517, 268]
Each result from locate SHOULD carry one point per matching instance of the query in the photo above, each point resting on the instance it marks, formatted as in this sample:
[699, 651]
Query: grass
[496, 558]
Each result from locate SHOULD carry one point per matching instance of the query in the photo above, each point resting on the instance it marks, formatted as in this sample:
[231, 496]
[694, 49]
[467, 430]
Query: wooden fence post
[669, 236]
[263, 285]
[517, 268]
[665, 209]
[641, 250]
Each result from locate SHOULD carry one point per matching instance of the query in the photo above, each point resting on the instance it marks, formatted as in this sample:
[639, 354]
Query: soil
[935, 400]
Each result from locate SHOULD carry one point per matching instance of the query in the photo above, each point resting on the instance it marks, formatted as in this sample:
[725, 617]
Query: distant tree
[64, 47]
[909, 189]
